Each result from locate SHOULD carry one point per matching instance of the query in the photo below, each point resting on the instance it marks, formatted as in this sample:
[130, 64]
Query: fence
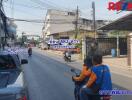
[106, 44]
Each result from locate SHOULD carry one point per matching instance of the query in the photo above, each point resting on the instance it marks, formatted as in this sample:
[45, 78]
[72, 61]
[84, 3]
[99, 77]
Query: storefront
[123, 24]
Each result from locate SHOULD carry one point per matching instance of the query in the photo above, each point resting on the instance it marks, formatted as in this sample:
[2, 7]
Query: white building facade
[57, 21]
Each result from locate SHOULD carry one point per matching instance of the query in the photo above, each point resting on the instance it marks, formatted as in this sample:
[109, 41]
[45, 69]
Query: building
[11, 32]
[61, 24]
[58, 21]
[7, 30]
[11, 29]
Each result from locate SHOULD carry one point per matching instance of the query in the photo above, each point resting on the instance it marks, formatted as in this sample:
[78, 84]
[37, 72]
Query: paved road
[48, 79]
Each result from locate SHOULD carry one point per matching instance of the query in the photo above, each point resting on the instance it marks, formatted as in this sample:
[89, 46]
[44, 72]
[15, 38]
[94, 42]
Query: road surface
[48, 79]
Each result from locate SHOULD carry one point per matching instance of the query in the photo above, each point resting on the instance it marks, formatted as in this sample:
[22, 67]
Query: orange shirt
[84, 73]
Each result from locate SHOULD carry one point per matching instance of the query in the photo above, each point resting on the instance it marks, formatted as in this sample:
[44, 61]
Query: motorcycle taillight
[106, 97]
[23, 98]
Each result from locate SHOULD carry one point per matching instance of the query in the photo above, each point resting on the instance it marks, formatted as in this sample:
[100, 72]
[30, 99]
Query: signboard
[62, 46]
[63, 43]
[122, 5]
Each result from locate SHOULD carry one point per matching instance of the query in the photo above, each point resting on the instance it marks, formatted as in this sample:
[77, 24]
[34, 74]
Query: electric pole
[76, 23]
[94, 21]
[22, 39]
[0, 4]
[3, 19]
[0, 19]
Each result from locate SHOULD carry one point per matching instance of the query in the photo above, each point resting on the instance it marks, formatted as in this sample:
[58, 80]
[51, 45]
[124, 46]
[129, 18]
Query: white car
[11, 77]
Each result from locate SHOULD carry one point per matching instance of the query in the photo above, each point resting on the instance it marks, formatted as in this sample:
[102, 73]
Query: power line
[40, 3]
[12, 7]
[22, 11]
[48, 4]
[60, 7]
[29, 6]
[28, 31]
[41, 21]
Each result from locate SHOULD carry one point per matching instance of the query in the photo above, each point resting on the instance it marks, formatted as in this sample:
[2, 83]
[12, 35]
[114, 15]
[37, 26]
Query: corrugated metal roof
[124, 23]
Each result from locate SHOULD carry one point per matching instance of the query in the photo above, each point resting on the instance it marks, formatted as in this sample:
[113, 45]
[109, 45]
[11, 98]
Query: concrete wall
[57, 21]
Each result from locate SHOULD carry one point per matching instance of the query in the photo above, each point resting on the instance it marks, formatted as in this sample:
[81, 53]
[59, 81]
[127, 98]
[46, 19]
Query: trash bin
[113, 52]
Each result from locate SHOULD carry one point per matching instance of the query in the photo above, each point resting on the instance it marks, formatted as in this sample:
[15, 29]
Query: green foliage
[120, 33]
[78, 45]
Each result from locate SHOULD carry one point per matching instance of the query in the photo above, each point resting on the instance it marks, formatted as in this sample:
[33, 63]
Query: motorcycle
[78, 86]
[29, 54]
[67, 59]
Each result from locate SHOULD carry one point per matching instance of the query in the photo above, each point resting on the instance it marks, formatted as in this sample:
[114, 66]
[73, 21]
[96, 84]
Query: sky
[31, 9]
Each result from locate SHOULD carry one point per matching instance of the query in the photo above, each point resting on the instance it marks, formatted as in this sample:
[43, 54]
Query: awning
[124, 24]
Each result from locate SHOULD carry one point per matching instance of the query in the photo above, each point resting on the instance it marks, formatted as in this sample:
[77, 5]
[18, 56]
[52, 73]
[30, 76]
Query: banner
[63, 43]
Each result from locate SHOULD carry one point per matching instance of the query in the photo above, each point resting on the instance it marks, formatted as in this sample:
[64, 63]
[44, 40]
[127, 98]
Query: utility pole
[1, 4]
[12, 8]
[94, 21]
[22, 38]
[117, 49]
[76, 23]
[2, 18]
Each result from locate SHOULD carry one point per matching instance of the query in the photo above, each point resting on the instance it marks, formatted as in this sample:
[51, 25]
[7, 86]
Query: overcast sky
[33, 9]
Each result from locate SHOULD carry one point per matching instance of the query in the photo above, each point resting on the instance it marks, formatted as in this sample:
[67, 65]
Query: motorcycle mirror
[72, 70]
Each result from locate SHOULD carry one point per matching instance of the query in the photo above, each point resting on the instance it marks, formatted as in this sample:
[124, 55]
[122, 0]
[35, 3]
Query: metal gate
[106, 44]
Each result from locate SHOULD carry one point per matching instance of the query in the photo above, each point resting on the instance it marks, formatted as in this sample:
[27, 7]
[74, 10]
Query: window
[6, 62]
[71, 13]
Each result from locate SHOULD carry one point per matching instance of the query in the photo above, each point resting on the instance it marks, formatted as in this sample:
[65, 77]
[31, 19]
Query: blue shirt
[103, 75]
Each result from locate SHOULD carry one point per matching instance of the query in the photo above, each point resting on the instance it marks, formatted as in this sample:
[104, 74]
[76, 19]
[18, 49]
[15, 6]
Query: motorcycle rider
[99, 79]
[29, 51]
[67, 54]
[87, 66]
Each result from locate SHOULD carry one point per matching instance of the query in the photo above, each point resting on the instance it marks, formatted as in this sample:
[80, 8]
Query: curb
[56, 53]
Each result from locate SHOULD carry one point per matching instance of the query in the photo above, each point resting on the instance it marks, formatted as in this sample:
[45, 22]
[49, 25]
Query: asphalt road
[48, 79]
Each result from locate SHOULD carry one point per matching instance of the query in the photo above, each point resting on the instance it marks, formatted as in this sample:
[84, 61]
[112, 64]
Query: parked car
[11, 77]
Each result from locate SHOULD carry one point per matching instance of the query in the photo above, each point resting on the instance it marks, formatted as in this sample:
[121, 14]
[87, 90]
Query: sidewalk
[59, 53]
[117, 65]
